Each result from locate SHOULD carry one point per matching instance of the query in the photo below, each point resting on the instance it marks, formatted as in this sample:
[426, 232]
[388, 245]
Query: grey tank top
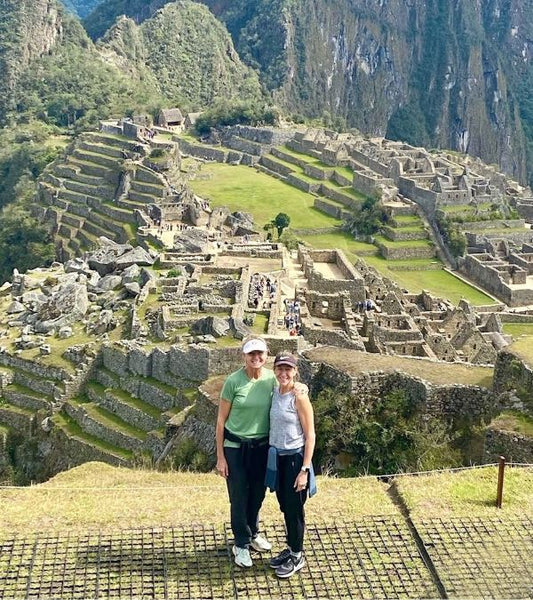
[286, 431]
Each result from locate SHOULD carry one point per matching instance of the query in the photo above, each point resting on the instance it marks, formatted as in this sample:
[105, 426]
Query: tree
[24, 242]
[367, 219]
[281, 222]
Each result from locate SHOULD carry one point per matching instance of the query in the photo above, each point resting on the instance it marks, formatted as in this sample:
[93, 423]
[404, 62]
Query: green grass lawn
[440, 283]
[518, 329]
[342, 241]
[243, 188]
[423, 277]
[403, 244]
[467, 493]
[523, 347]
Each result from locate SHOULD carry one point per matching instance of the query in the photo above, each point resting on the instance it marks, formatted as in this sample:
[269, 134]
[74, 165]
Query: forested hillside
[55, 82]
[435, 73]
[81, 7]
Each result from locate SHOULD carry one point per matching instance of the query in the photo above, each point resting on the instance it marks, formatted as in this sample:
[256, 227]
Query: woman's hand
[300, 483]
[222, 467]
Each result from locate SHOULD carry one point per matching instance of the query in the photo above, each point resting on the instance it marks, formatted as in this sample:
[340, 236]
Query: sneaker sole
[295, 570]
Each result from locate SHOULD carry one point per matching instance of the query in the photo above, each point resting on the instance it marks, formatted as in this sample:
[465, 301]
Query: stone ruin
[196, 284]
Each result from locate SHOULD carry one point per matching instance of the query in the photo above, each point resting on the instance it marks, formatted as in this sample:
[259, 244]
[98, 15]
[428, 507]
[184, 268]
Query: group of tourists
[265, 437]
[291, 319]
[262, 291]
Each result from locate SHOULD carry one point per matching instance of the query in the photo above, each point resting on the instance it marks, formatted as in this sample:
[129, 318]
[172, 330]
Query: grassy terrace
[514, 421]
[518, 329]
[405, 220]
[242, 188]
[439, 282]
[74, 430]
[141, 498]
[354, 362]
[341, 240]
[403, 244]
[470, 493]
[523, 347]
[464, 208]
[114, 498]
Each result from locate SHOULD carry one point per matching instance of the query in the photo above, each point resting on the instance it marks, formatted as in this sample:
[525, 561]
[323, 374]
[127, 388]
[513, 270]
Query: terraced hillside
[99, 188]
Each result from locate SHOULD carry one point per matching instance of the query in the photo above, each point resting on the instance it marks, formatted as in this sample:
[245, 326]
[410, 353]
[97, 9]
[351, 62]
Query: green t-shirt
[249, 416]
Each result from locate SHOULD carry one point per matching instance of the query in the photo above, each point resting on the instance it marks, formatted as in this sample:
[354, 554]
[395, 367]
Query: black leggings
[290, 501]
[246, 489]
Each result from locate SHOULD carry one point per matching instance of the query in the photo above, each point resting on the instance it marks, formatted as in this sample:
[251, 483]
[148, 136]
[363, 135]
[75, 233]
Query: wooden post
[499, 492]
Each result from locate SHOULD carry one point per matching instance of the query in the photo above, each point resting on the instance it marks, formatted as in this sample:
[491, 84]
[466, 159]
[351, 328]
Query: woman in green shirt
[242, 445]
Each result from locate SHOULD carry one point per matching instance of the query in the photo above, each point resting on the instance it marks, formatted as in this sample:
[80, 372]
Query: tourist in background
[290, 471]
[242, 445]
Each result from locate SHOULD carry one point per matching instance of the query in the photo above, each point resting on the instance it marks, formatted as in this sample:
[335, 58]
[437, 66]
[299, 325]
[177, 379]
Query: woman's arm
[224, 407]
[307, 420]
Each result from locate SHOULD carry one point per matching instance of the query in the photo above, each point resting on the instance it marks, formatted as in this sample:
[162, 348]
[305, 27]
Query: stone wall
[329, 337]
[406, 252]
[261, 135]
[515, 447]
[201, 151]
[455, 403]
[330, 209]
[513, 373]
[427, 199]
[483, 269]
[367, 183]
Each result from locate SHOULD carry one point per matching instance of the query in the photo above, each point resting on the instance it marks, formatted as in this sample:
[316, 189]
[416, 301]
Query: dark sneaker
[290, 566]
[278, 560]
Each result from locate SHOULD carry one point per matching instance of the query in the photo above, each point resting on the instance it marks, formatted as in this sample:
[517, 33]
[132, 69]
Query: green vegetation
[239, 187]
[24, 243]
[381, 436]
[514, 421]
[226, 113]
[81, 7]
[467, 493]
[523, 348]
[73, 86]
[367, 219]
[518, 329]
[187, 456]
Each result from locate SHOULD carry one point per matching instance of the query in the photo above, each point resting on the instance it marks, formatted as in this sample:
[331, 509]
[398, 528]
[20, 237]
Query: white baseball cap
[255, 345]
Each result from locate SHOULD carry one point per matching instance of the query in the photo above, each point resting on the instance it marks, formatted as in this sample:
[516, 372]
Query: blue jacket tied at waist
[271, 476]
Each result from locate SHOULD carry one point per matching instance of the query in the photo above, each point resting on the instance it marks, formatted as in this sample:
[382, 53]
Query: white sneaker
[242, 557]
[260, 543]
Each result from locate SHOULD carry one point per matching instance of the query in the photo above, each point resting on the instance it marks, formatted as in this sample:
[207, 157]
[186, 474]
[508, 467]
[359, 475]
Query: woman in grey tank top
[289, 471]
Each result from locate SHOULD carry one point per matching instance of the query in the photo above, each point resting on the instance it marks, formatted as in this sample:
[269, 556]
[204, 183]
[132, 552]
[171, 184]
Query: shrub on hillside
[235, 113]
[381, 435]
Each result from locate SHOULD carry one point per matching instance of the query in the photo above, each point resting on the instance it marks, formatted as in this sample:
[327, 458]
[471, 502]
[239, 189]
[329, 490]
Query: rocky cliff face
[28, 29]
[436, 72]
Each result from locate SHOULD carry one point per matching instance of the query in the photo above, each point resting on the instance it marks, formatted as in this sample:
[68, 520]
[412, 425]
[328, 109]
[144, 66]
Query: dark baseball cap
[286, 359]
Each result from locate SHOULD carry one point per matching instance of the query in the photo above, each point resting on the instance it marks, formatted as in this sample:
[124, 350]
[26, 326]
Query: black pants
[246, 489]
[290, 501]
